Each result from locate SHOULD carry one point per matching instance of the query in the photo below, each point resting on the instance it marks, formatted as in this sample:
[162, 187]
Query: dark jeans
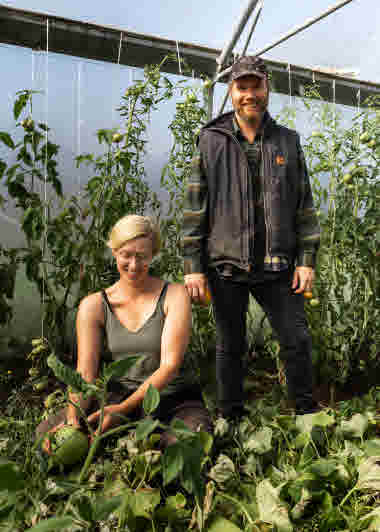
[285, 311]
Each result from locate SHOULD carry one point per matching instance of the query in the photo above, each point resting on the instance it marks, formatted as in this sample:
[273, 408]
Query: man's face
[249, 95]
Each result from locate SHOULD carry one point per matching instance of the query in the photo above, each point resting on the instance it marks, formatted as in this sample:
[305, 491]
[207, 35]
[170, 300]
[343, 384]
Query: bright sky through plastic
[347, 39]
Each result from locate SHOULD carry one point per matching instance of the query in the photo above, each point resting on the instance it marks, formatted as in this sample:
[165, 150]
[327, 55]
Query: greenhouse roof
[41, 32]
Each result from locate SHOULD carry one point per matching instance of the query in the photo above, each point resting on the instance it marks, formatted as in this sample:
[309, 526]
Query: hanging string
[45, 177]
[179, 59]
[290, 84]
[119, 76]
[79, 117]
[334, 101]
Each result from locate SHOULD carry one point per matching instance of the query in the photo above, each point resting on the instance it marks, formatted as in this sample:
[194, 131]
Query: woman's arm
[89, 325]
[174, 341]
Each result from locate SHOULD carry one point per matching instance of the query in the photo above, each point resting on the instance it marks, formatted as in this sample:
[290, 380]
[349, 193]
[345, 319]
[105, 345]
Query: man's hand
[111, 418]
[303, 279]
[196, 285]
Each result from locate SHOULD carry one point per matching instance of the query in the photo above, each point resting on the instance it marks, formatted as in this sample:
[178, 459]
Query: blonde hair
[134, 226]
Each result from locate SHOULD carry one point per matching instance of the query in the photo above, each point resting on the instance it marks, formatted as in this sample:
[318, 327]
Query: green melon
[69, 445]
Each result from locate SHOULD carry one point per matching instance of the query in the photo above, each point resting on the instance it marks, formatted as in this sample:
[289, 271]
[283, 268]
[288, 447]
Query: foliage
[345, 310]
[274, 471]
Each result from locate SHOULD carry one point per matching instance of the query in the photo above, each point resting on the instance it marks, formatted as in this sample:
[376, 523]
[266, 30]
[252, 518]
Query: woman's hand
[46, 446]
[111, 418]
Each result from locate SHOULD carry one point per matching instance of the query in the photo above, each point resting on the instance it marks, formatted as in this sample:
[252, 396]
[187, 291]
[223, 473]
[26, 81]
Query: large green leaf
[151, 400]
[223, 470]
[260, 442]
[369, 474]
[271, 508]
[372, 447]
[307, 422]
[355, 427]
[172, 462]
[11, 479]
[6, 139]
[220, 524]
[145, 427]
[144, 501]
[120, 368]
[20, 103]
[104, 507]
[53, 524]
[373, 520]
[67, 375]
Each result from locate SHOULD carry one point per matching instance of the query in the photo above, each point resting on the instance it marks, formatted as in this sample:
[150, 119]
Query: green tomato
[316, 134]
[69, 445]
[372, 143]
[207, 84]
[40, 386]
[350, 187]
[365, 137]
[347, 178]
[33, 372]
[117, 137]
[314, 302]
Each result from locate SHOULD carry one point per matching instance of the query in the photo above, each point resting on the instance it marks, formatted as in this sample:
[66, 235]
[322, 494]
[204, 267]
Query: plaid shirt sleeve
[307, 224]
[195, 216]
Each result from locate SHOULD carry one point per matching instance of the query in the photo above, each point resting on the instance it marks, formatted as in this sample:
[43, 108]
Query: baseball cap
[248, 65]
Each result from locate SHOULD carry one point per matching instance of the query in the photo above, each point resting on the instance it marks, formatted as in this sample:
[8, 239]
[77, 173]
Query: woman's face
[133, 258]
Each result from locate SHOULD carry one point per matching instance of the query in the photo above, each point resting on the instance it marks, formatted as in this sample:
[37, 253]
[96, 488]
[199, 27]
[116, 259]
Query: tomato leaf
[151, 399]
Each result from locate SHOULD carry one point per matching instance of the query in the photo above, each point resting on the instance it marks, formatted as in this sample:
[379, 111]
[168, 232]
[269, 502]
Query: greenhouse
[104, 110]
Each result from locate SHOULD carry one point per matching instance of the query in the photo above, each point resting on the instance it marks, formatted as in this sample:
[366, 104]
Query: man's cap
[248, 65]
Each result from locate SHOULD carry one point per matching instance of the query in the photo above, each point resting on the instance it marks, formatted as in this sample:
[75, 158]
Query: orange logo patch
[280, 160]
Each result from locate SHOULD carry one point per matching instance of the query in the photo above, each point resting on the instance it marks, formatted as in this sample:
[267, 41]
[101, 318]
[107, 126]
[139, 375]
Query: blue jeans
[285, 311]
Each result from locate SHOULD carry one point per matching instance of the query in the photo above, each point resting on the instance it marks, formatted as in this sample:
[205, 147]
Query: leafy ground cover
[272, 471]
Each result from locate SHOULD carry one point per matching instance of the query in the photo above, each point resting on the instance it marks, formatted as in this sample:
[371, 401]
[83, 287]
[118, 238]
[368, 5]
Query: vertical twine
[290, 84]
[45, 177]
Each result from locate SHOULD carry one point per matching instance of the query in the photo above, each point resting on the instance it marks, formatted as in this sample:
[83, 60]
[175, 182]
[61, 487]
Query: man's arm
[195, 229]
[307, 224]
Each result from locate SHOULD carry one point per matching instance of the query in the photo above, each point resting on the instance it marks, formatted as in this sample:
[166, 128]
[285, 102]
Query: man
[250, 227]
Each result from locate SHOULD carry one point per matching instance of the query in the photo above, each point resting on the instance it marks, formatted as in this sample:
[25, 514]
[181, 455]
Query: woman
[143, 315]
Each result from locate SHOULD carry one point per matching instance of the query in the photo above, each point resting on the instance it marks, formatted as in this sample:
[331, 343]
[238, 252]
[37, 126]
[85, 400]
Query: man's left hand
[112, 417]
[303, 279]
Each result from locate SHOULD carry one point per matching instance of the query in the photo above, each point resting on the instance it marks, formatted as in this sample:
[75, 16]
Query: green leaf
[306, 422]
[271, 508]
[260, 442]
[324, 467]
[220, 524]
[6, 139]
[20, 103]
[67, 375]
[372, 447]
[53, 524]
[120, 368]
[151, 399]
[103, 508]
[180, 429]
[223, 470]
[11, 478]
[172, 462]
[369, 474]
[144, 501]
[145, 427]
[373, 520]
[355, 427]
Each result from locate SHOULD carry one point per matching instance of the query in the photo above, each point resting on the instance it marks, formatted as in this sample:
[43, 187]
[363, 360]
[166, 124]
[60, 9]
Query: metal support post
[309, 22]
[236, 33]
[296, 30]
[255, 20]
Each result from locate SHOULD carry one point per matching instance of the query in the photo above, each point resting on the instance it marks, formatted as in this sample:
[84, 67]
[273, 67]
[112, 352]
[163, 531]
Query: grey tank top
[146, 341]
